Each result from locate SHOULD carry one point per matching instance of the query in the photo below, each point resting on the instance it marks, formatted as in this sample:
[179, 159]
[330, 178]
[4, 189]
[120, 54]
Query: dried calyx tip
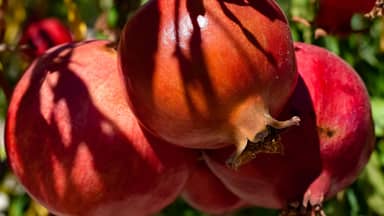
[377, 10]
[266, 141]
[301, 210]
[294, 121]
[318, 210]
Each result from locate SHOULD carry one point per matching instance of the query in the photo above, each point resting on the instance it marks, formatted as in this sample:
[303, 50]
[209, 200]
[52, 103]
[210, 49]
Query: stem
[301, 20]
[7, 48]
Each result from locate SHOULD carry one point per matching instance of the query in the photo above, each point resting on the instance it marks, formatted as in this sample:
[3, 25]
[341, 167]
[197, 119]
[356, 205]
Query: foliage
[364, 50]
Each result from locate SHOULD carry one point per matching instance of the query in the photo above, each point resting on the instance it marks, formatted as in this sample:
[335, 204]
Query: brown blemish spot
[326, 131]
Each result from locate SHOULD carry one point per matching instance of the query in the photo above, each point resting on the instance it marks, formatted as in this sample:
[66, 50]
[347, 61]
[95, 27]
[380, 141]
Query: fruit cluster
[208, 100]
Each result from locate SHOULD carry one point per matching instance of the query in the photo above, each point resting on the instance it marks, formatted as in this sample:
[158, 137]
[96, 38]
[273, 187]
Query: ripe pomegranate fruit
[41, 35]
[321, 156]
[75, 146]
[334, 16]
[205, 74]
[205, 192]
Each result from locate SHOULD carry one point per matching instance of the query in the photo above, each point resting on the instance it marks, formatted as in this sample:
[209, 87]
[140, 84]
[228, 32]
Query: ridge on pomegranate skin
[205, 192]
[324, 154]
[74, 144]
[207, 74]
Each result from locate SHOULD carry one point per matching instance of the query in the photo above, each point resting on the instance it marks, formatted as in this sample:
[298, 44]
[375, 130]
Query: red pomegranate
[75, 146]
[321, 156]
[205, 192]
[41, 35]
[334, 16]
[205, 74]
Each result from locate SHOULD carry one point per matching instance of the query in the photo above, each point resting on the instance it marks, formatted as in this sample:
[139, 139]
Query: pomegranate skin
[205, 192]
[202, 73]
[344, 120]
[324, 154]
[334, 16]
[44, 34]
[76, 147]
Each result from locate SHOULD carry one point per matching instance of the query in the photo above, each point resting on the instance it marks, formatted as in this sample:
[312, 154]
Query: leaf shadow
[76, 157]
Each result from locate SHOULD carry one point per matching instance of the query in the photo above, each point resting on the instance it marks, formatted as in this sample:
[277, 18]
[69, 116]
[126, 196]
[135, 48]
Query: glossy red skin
[200, 70]
[205, 192]
[334, 16]
[75, 146]
[321, 156]
[44, 34]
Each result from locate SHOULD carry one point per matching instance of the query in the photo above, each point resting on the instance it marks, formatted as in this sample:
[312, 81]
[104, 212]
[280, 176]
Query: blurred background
[360, 43]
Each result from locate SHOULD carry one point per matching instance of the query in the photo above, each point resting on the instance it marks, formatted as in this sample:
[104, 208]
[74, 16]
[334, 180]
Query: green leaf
[378, 115]
[112, 17]
[353, 203]
[337, 205]
[371, 184]
[18, 205]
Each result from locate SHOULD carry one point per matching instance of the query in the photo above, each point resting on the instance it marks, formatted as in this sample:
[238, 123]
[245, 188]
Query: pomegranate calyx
[294, 209]
[266, 141]
[269, 144]
[377, 10]
[317, 210]
[300, 210]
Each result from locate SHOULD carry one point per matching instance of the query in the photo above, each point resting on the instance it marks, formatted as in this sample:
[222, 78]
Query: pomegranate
[40, 35]
[206, 74]
[321, 156]
[334, 16]
[75, 146]
[205, 192]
